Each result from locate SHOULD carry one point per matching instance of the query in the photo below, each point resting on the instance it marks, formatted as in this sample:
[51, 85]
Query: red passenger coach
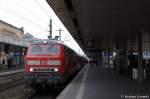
[49, 62]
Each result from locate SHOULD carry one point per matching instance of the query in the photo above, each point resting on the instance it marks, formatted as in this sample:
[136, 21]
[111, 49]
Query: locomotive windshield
[36, 49]
[52, 49]
[43, 49]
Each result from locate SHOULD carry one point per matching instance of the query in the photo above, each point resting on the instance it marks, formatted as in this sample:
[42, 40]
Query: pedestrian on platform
[8, 63]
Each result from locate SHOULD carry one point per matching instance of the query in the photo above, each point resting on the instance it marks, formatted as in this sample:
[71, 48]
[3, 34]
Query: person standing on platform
[10, 60]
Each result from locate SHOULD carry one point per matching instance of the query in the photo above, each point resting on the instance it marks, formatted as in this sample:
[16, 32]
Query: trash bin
[134, 73]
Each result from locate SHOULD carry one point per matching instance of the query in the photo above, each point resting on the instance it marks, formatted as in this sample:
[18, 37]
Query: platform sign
[18, 53]
[90, 43]
[106, 53]
[146, 54]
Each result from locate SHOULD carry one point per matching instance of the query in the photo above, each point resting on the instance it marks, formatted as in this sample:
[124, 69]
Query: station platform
[95, 82]
[10, 71]
[6, 71]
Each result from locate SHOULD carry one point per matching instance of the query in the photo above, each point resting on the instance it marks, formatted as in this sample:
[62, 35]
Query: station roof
[106, 22]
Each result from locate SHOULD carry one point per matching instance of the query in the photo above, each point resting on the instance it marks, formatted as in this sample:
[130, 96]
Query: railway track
[46, 94]
[7, 86]
[50, 93]
[13, 87]
[11, 79]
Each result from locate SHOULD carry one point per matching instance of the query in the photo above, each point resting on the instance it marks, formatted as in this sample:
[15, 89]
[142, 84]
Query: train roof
[48, 41]
[45, 41]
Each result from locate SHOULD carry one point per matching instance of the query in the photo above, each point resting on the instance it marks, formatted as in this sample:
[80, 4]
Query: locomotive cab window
[36, 49]
[52, 49]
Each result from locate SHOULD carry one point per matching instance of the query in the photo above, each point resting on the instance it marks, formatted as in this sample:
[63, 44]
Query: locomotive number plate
[43, 62]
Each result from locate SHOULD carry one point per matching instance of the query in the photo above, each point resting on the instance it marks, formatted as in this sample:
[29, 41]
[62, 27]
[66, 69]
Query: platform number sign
[146, 54]
[90, 44]
[106, 53]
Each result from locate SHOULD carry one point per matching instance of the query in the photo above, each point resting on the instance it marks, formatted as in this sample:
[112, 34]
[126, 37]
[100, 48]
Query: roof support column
[0, 52]
[125, 65]
[108, 54]
[140, 58]
[132, 47]
[117, 60]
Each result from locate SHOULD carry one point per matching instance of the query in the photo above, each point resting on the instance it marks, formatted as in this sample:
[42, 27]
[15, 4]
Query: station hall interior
[109, 26]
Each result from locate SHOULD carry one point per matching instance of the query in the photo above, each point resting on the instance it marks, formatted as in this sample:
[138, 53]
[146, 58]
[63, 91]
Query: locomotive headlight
[31, 69]
[56, 69]
[33, 62]
[54, 62]
[45, 42]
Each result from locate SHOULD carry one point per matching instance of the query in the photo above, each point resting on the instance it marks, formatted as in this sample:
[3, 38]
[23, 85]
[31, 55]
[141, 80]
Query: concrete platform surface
[94, 82]
[10, 72]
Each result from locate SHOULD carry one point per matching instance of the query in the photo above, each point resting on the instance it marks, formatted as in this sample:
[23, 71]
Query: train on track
[50, 62]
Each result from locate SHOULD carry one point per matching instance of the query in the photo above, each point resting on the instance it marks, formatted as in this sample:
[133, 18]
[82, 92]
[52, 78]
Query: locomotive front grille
[44, 69]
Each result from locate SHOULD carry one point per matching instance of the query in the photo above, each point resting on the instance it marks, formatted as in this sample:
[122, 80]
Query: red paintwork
[70, 61]
[46, 57]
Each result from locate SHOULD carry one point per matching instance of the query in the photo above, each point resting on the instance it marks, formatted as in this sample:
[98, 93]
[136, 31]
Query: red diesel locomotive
[50, 62]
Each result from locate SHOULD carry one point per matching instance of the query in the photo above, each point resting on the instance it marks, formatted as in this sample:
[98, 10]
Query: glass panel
[36, 49]
[52, 49]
